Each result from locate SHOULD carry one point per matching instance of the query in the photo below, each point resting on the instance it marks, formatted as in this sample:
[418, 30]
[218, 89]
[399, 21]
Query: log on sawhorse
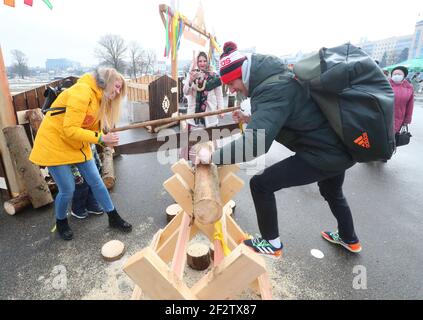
[157, 270]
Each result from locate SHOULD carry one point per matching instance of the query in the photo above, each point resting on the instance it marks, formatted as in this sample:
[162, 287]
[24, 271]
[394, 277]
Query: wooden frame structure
[229, 276]
[188, 34]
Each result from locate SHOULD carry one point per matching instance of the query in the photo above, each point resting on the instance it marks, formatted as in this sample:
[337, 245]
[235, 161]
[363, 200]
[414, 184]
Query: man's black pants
[293, 172]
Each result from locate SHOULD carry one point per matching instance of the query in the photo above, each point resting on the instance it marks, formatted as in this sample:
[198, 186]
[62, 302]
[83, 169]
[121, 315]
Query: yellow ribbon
[218, 235]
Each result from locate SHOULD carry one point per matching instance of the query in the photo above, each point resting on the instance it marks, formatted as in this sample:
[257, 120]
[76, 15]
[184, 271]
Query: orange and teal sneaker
[262, 246]
[334, 237]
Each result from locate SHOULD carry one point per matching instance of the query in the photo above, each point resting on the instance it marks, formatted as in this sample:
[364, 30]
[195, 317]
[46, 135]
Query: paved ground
[386, 200]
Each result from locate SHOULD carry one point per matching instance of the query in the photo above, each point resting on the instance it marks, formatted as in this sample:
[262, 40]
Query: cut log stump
[172, 211]
[113, 250]
[198, 256]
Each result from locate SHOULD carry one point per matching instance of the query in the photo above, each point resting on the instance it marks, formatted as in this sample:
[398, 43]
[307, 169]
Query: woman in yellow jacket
[76, 119]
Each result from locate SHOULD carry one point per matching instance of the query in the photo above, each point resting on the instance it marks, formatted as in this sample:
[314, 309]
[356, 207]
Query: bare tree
[136, 59]
[112, 52]
[20, 63]
[150, 59]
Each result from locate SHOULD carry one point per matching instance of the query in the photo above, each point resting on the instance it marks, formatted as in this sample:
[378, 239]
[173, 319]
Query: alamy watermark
[360, 278]
[60, 278]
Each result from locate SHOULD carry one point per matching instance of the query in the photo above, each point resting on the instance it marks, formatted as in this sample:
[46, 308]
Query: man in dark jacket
[281, 107]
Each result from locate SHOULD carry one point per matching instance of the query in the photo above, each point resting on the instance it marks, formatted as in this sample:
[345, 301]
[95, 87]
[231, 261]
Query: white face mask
[397, 78]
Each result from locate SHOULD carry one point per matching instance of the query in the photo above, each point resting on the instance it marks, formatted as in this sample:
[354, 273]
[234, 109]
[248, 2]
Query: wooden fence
[138, 88]
[32, 99]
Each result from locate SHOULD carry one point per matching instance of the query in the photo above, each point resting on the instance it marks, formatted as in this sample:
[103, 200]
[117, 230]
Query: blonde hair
[109, 112]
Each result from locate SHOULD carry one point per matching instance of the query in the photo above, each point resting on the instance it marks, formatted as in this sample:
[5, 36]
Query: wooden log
[108, 171]
[198, 256]
[35, 117]
[19, 203]
[113, 250]
[20, 149]
[207, 203]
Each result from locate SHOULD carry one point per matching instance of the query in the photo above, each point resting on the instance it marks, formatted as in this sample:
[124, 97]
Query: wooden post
[7, 118]
[20, 149]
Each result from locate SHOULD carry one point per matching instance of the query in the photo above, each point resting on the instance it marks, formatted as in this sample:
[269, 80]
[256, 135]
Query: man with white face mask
[404, 97]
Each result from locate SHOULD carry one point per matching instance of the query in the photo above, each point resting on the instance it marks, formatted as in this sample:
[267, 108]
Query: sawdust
[116, 286]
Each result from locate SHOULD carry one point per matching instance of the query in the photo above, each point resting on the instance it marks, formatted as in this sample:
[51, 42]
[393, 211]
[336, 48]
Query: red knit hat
[231, 62]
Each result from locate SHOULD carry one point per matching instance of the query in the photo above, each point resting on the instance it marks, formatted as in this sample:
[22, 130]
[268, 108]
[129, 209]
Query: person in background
[80, 116]
[203, 91]
[404, 97]
[416, 81]
[83, 201]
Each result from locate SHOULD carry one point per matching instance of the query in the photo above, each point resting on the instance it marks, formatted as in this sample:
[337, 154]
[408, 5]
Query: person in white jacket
[203, 90]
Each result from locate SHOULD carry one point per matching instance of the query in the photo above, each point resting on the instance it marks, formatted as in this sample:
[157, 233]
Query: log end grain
[198, 256]
[113, 250]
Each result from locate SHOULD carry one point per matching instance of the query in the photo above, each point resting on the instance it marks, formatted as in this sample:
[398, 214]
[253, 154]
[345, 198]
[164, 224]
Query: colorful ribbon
[11, 3]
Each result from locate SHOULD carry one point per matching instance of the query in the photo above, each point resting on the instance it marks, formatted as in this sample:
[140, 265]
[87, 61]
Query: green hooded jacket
[281, 107]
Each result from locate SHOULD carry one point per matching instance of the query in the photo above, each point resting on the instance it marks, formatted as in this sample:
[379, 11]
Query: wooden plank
[231, 276]
[218, 253]
[265, 287]
[19, 102]
[225, 170]
[139, 86]
[170, 229]
[31, 98]
[229, 187]
[180, 255]
[180, 192]
[184, 170]
[166, 250]
[194, 37]
[137, 293]
[154, 277]
[234, 230]
[40, 92]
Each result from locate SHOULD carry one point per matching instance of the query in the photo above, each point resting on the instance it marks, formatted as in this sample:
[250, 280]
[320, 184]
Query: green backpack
[356, 98]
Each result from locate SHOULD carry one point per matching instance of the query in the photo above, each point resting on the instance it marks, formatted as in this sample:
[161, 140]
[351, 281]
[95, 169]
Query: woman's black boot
[115, 221]
[64, 230]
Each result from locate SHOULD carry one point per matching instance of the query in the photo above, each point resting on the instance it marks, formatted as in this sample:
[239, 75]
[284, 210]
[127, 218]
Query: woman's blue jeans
[65, 181]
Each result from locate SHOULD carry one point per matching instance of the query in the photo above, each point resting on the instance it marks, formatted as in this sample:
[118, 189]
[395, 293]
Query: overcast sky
[72, 29]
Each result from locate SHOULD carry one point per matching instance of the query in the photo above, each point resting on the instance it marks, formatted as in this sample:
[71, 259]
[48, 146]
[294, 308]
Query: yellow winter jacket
[65, 138]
